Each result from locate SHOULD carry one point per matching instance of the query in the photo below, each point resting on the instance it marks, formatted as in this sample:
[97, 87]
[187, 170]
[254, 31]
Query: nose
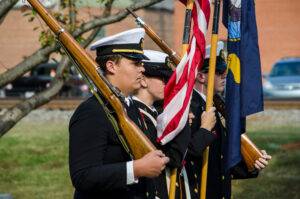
[142, 69]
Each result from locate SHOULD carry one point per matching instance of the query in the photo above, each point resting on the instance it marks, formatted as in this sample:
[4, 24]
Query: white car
[283, 82]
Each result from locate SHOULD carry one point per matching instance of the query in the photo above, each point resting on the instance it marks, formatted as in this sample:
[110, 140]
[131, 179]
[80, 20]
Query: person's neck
[200, 88]
[145, 97]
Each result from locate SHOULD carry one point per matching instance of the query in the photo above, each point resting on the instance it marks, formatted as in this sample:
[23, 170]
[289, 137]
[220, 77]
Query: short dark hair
[101, 60]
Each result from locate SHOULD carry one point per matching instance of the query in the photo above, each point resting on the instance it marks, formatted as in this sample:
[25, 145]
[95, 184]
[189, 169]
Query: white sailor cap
[221, 65]
[128, 43]
[157, 65]
[220, 47]
[155, 56]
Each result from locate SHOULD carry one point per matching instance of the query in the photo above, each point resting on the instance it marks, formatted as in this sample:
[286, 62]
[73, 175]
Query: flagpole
[185, 45]
[187, 26]
[210, 90]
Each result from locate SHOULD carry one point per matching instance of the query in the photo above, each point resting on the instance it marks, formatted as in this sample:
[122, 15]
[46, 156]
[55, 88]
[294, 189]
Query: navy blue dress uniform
[97, 159]
[218, 179]
[158, 66]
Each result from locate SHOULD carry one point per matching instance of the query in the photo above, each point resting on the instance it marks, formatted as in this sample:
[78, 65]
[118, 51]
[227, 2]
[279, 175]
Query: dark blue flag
[243, 84]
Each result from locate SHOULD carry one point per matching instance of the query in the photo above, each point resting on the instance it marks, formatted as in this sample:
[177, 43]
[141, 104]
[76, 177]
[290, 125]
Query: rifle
[138, 143]
[249, 150]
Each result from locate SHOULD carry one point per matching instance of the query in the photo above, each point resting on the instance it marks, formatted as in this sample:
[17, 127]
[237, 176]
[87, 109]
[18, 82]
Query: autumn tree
[83, 31]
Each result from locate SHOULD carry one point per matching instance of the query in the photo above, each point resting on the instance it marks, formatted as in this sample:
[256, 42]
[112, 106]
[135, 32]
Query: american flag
[178, 91]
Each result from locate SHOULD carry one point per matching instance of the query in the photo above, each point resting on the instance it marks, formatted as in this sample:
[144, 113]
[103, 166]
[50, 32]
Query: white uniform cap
[220, 46]
[220, 59]
[128, 43]
[155, 56]
[132, 36]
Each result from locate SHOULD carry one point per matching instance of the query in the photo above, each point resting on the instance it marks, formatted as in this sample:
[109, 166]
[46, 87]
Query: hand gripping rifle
[249, 150]
[137, 142]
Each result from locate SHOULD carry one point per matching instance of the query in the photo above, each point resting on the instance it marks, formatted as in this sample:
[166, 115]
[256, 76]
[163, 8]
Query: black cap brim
[221, 65]
[159, 71]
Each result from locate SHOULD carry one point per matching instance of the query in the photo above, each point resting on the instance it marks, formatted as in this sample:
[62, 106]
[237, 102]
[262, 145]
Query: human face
[127, 75]
[220, 82]
[155, 88]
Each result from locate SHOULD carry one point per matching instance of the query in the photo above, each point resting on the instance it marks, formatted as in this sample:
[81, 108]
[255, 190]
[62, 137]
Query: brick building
[278, 26]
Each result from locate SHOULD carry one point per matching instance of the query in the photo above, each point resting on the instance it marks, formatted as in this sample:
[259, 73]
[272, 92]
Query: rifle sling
[114, 123]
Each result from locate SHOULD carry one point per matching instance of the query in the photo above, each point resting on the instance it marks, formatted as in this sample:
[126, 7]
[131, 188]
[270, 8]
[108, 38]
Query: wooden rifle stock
[138, 143]
[249, 150]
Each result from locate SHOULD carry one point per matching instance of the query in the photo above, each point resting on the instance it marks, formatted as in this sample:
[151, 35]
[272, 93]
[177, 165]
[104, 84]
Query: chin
[220, 90]
[161, 97]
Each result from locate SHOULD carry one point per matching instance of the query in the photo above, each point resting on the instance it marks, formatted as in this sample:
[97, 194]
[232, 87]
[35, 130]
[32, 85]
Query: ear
[144, 82]
[111, 67]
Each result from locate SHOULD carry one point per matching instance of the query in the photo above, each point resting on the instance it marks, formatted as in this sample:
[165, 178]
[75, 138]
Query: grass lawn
[34, 163]
[282, 177]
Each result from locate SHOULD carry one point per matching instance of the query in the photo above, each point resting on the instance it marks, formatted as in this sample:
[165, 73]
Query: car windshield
[44, 71]
[286, 69]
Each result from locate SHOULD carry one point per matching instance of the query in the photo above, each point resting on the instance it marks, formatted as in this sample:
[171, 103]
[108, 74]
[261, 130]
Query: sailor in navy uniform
[100, 165]
[218, 179]
[157, 73]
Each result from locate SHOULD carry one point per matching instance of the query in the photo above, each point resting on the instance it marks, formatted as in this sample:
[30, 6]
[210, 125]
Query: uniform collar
[128, 100]
[201, 94]
[151, 108]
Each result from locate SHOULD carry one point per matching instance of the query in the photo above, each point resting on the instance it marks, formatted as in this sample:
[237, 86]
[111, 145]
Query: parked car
[283, 82]
[40, 78]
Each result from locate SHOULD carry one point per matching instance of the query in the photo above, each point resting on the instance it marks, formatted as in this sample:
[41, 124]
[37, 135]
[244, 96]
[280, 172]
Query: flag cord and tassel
[185, 45]
[210, 91]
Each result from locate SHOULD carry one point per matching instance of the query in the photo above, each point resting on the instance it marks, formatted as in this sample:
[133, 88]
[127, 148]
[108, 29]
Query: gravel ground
[260, 120]
[275, 118]
[44, 115]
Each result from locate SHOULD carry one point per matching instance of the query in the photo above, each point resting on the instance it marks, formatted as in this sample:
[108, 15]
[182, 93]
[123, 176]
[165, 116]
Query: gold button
[177, 185]
[196, 190]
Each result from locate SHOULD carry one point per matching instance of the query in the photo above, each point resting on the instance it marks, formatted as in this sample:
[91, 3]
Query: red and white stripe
[178, 90]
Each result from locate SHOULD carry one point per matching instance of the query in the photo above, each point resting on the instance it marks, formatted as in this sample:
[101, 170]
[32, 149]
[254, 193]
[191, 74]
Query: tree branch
[113, 19]
[106, 13]
[72, 14]
[40, 56]
[15, 114]
[5, 6]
